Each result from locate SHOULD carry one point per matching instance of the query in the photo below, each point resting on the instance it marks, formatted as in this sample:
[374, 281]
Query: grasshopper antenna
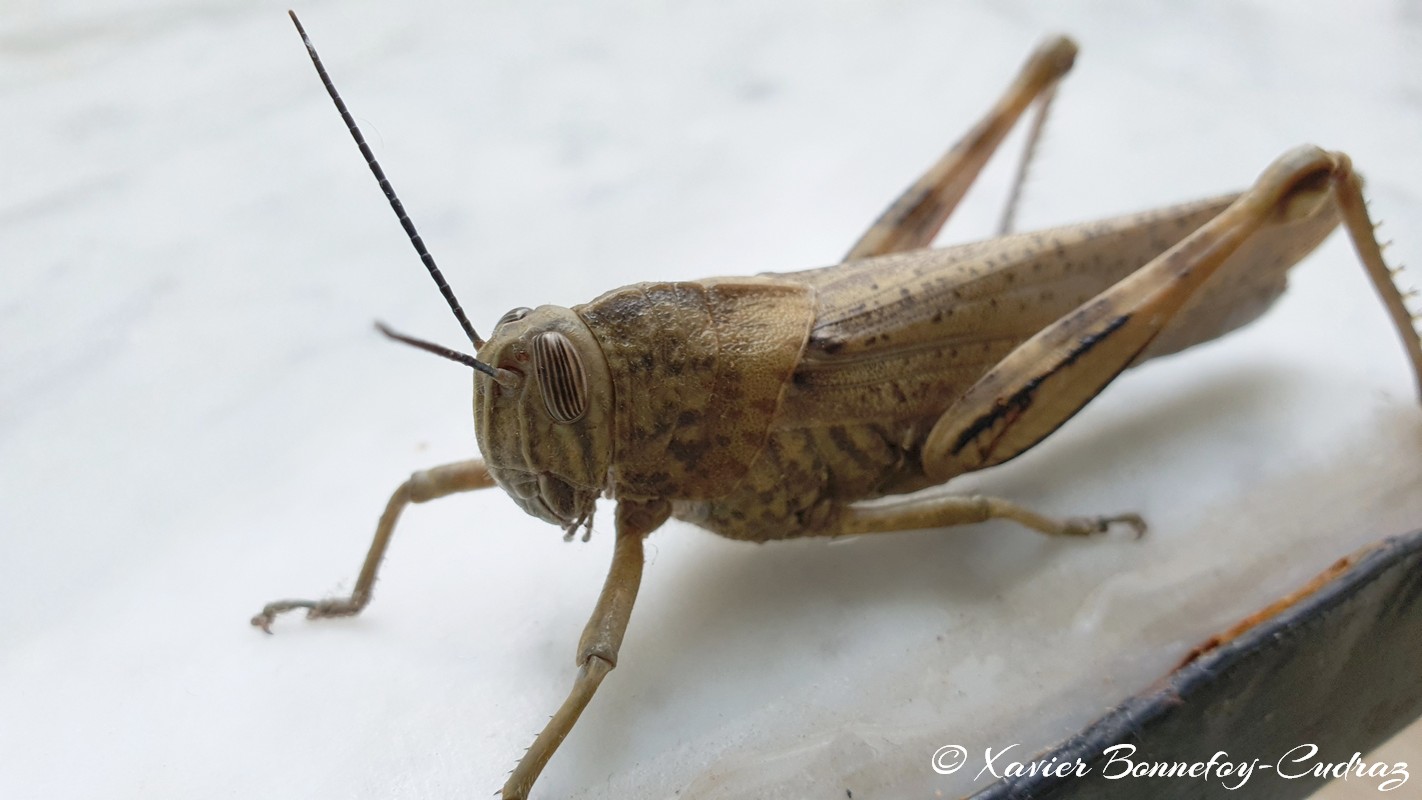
[501, 375]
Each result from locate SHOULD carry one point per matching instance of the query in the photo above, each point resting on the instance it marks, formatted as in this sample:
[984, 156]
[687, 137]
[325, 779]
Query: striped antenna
[390, 195]
[503, 376]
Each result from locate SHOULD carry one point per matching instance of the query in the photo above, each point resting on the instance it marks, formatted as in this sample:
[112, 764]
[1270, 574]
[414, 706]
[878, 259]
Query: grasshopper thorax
[547, 436]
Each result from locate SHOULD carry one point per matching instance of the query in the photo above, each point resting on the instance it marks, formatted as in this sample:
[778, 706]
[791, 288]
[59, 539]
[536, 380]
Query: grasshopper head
[542, 410]
[546, 435]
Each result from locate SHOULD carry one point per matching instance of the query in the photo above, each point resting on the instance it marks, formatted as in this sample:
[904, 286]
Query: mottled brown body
[765, 426]
[769, 407]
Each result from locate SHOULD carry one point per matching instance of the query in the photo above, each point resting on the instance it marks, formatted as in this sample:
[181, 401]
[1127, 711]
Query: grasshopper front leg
[1051, 376]
[601, 639]
[423, 486]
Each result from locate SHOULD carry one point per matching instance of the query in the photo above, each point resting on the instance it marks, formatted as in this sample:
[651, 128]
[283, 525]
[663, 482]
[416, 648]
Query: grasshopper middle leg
[423, 486]
[942, 512]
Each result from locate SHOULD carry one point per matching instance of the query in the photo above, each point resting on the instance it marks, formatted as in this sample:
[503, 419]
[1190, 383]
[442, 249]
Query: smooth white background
[196, 416]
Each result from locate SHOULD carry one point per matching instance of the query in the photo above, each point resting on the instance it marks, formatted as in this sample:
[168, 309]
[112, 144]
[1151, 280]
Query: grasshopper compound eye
[561, 378]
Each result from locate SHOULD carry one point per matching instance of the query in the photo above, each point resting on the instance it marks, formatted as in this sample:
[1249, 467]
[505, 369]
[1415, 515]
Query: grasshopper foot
[315, 609]
[1085, 526]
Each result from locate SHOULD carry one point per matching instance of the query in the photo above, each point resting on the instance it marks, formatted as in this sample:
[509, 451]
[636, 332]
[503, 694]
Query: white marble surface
[196, 417]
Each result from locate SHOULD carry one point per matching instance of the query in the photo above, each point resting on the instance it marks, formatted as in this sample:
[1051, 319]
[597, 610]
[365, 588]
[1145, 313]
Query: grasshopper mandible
[768, 407]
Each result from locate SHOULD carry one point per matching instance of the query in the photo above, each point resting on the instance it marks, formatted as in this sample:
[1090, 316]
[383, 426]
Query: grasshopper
[770, 407]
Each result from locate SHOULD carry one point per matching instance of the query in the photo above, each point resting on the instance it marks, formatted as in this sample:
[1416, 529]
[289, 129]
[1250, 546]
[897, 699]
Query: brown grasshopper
[769, 407]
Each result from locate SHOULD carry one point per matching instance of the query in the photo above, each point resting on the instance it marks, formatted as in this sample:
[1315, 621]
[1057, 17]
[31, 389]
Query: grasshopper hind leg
[1048, 378]
[920, 212]
[1349, 195]
[1008, 222]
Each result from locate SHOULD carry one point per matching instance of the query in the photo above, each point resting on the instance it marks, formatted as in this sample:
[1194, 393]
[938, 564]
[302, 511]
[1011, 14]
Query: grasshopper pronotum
[769, 407]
